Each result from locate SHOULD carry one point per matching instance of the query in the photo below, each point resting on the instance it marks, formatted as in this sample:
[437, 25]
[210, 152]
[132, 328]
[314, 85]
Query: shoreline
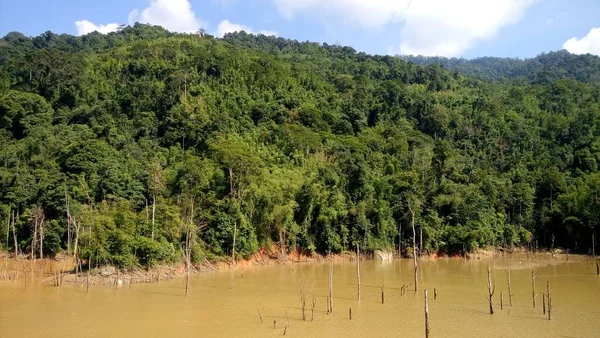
[62, 269]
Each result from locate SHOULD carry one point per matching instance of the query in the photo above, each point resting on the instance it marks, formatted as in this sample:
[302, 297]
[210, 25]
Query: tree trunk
[509, 289]
[153, 212]
[68, 222]
[358, 269]
[42, 238]
[15, 236]
[35, 235]
[533, 287]
[8, 228]
[76, 238]
[549, 300]
[426, 316]
[491, 290]
[330, 283]
[231, 181]
[412, 213]
[234, 237]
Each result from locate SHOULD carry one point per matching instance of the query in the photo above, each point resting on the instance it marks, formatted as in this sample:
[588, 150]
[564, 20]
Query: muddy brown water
[227, 304]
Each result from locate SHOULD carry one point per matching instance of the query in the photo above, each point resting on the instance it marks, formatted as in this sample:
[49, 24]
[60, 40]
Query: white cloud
[174, 15]
[227, 26]
[85, 27]
[366, 13]
[429, 27]
[587, 44]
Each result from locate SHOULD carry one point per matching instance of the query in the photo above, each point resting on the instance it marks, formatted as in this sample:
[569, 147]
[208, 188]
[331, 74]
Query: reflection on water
[225, 304]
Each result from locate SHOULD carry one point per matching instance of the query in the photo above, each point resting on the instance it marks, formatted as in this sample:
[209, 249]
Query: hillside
[132, 141]
[543, 69]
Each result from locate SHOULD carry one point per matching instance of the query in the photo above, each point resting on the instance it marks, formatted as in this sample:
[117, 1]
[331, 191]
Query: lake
[227, 303]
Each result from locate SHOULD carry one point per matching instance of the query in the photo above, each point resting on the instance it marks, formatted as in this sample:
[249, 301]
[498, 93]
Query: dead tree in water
[510, 294]
[426, 316]
[306, 292]
[330, 301]
[382, 293]
[491, 290]
[534, 276]
[188, 244]
[544, 303]
[412, 214]
[549, 300]
[313, 304]
[358, 268]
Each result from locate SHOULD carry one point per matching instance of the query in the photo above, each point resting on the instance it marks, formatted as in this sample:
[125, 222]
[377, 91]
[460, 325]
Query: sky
[453, 28]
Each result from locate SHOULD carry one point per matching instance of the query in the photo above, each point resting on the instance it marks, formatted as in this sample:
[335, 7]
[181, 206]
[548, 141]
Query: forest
[122, 148]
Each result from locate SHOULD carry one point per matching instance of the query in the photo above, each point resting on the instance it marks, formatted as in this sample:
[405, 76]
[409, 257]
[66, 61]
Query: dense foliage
[543, 69]
[129, 140]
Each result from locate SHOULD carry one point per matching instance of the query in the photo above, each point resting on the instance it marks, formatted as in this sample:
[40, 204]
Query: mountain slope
[544, 68]
[152, 136]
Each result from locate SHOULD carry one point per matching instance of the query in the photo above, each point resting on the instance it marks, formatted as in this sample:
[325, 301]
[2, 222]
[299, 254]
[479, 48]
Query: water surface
[226, 304]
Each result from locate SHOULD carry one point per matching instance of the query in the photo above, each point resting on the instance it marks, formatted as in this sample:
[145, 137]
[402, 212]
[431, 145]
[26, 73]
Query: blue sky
[463, 28]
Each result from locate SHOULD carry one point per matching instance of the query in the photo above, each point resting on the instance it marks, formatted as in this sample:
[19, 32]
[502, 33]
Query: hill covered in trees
[128, 143]
[543, 69]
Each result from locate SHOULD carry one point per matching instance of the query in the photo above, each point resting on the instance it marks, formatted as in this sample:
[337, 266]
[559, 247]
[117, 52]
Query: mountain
[545, 68]
[134, 143]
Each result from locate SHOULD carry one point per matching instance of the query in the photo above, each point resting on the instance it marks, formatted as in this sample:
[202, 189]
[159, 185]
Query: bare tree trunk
[231, 181]
[68, 222]
[234, 238]
[35, 235]
[187, 261]
[491, 290]
[330, 283]
[358, 268]
[76, 238]
[509, 289]
[153, 212]
[8, 228]
[544, 303]
[42, 237]
[549, 300]
[412, 213]
[15, 236]
[533, 277]
[426, 316]
[189, 222]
